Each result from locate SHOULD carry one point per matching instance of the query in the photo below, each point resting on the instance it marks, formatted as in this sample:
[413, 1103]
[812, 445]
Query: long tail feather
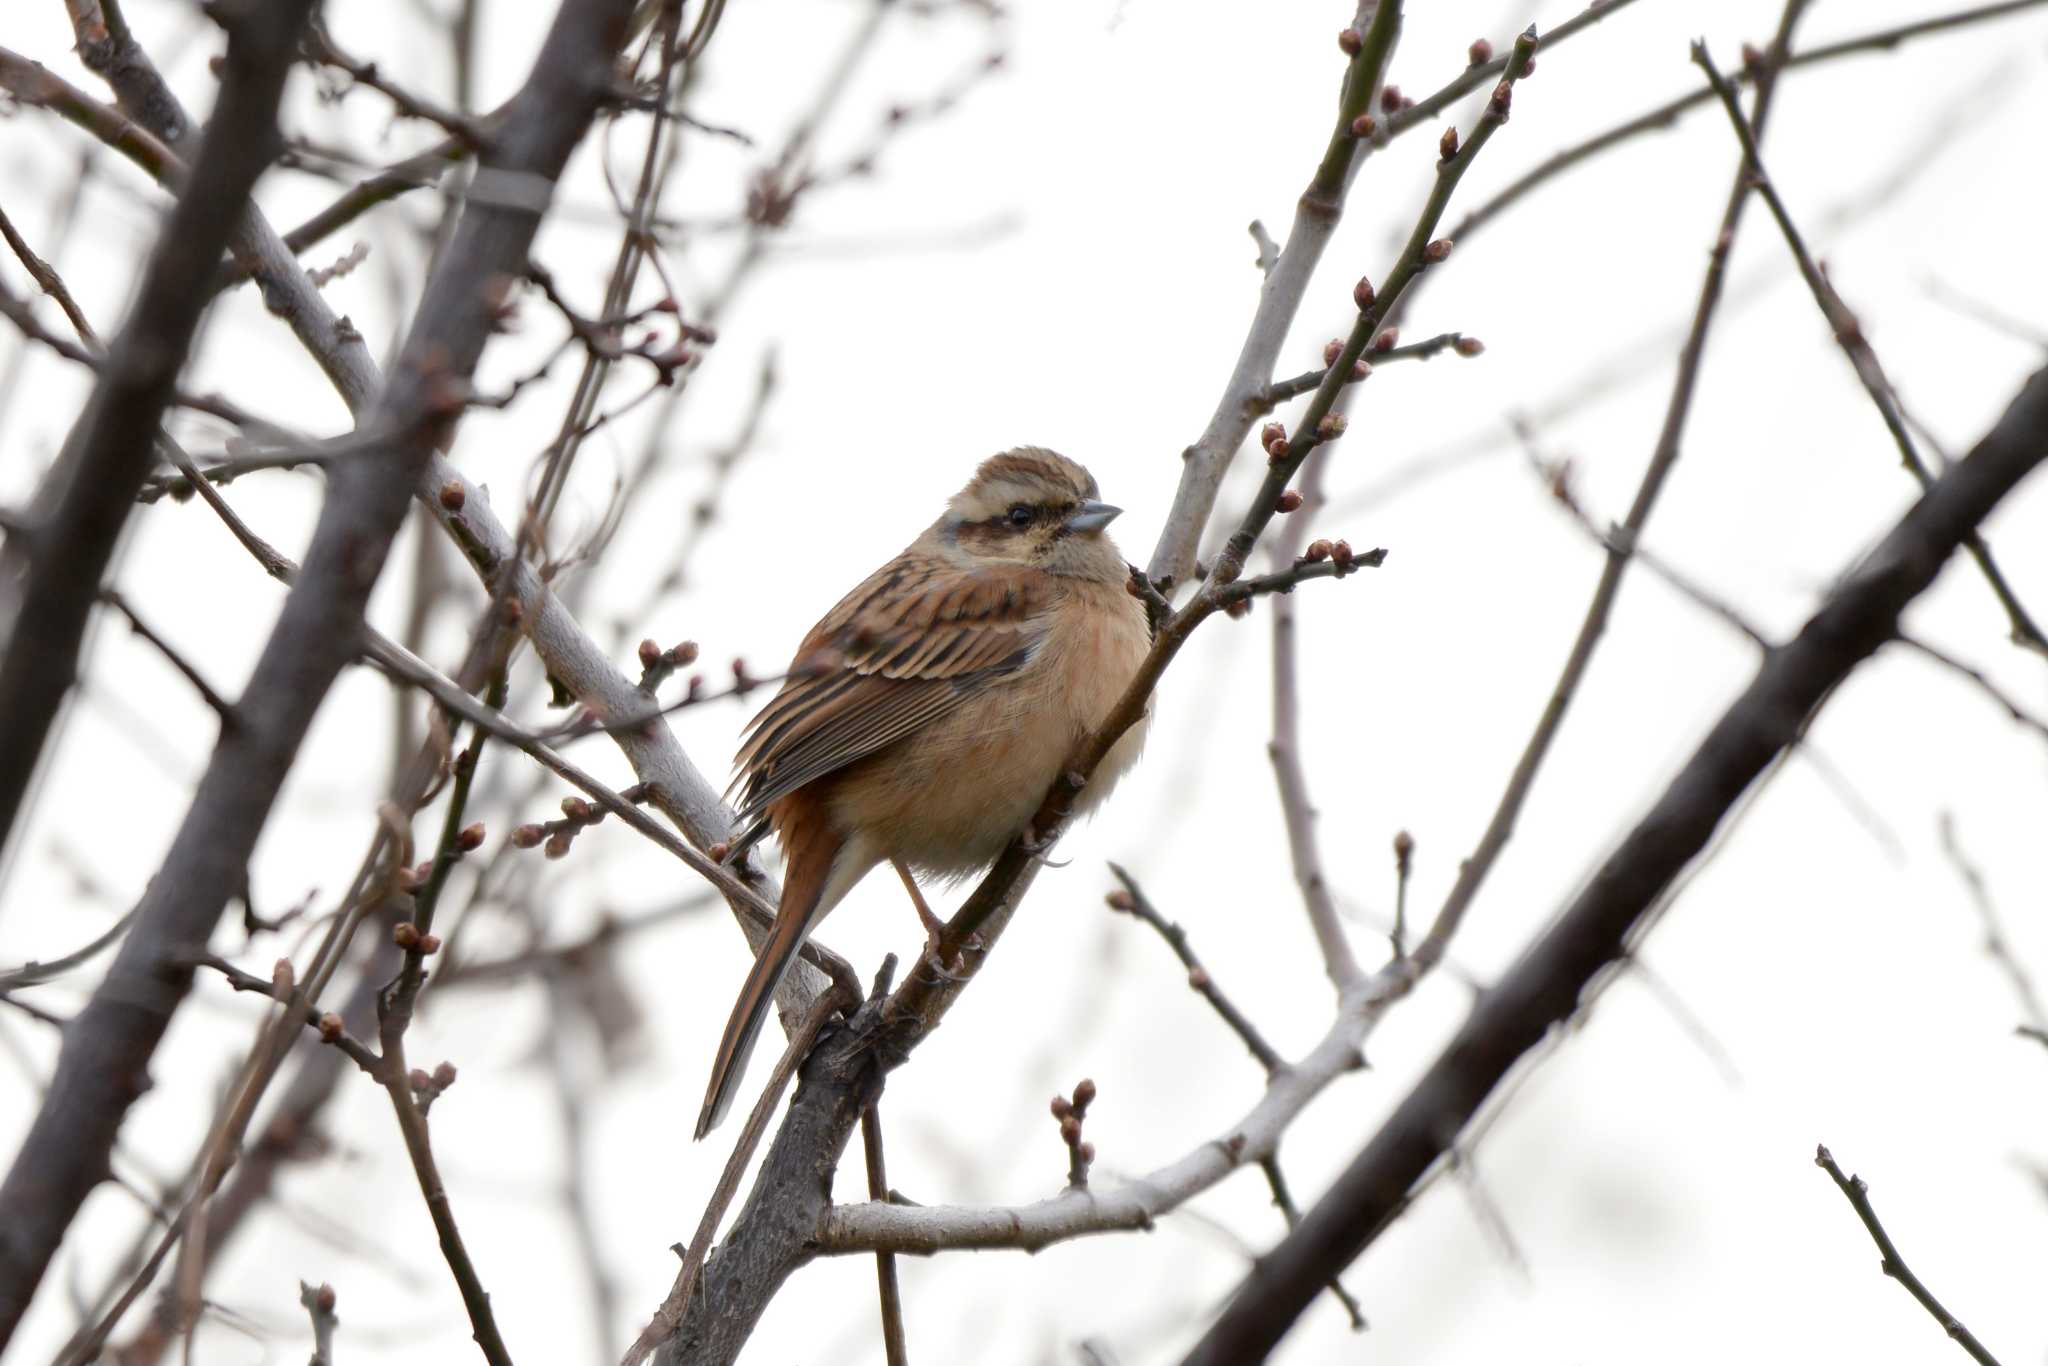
[804, 904]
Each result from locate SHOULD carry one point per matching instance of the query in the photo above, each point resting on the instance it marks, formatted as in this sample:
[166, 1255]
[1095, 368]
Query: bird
[925, 716]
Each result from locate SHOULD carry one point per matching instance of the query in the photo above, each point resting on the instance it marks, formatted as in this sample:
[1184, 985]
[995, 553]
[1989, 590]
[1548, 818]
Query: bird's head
[1036, 507]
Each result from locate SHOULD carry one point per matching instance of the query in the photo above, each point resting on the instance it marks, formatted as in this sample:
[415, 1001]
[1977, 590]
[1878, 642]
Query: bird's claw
[939, 968]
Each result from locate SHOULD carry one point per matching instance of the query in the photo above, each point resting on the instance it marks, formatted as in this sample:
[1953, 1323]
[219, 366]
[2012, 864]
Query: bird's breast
[948, 798]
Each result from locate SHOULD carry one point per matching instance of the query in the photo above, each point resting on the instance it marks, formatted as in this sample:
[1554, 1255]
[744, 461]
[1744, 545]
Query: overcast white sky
[1063, 260]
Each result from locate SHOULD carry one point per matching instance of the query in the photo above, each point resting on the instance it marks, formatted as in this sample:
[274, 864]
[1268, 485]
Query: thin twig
[1485, 1211]
[412, 1124]
[1666, 115]
[222, 708]
[633, 251]
[1290, 774]
[1848, 332]
[1319, 423]
[1547, 983]
[1280, 390]
[354, 1049]
[1316, 216]
[1857, 1193]
[1978, 679]
[548, 960]
[1283, 1199]
[318, 1302]
[409, 104]
[895, 1348]
[49, 282]
[1134, 902]
[1996, 946]
[33, 83]
[1404, 865]
[1473, 871]
[1479, 73]
[33, 973]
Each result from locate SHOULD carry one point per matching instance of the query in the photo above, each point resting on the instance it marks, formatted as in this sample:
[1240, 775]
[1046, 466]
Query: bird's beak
[1093, 517]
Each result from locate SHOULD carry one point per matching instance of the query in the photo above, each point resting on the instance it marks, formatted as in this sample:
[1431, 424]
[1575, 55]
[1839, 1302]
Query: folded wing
[901, 651]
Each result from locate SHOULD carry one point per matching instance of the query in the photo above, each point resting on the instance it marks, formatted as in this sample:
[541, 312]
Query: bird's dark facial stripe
[1023, 516]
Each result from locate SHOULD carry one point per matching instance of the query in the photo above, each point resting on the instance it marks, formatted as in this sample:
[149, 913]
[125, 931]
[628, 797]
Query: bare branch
[1666, 115]
[1319, 421]
[1858, 1195]
[1978, 679]
[1286, 283]
[1473, 77]
[1848, 332]
[409, 103]
[1996, 946]
[32, 83]
[1138, 1202]
[330, 1029]
[410, 1092]
[106, 1052]
[49, 282]
[1290, 775]
[1133, 901]
[222, 708]
[318, 1302]
[33, 973]
[1283, 1200]
[1544, 986]
[1279, 391]
[1473, 871]
[84, 504]
[895, 1349]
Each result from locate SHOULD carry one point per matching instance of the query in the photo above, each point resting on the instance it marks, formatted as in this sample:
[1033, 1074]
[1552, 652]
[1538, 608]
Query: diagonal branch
[1319, 422]
[84, 503]
[1500, 828]
[1544, 986]
[674, 784]
[1857, 1193]
[1133, 901]
[1286, 284]
[1666, 115]
[1848, 332]
[106, 1053]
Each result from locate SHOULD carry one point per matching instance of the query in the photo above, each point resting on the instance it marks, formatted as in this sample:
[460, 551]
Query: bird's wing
[905, 648]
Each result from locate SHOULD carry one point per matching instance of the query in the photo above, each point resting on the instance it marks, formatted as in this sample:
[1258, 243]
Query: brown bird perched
[927, 714]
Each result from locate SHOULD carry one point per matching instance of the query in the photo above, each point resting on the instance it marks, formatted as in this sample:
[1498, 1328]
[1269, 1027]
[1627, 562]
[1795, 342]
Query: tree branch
[1666, 115]
[1290, 775]
[1132, 901]
[1848, 332]
[1500, 827]
[1136, 1203]
[1544, 986]
[84, 503]
[674, 784]
[895, 1348]
[102, 1067]
[1858, 1195]
[1286, 284]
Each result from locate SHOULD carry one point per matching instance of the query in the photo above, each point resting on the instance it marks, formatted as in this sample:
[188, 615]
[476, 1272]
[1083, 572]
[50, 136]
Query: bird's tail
[804, 903]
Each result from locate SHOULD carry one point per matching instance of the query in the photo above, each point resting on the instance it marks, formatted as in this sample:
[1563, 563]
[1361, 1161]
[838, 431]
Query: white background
[1063, 260]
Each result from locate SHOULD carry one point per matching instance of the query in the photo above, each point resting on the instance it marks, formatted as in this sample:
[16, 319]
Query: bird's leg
[934, 927]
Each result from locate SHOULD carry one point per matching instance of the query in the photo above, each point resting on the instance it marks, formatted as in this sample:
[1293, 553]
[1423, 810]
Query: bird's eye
[1019, 515]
